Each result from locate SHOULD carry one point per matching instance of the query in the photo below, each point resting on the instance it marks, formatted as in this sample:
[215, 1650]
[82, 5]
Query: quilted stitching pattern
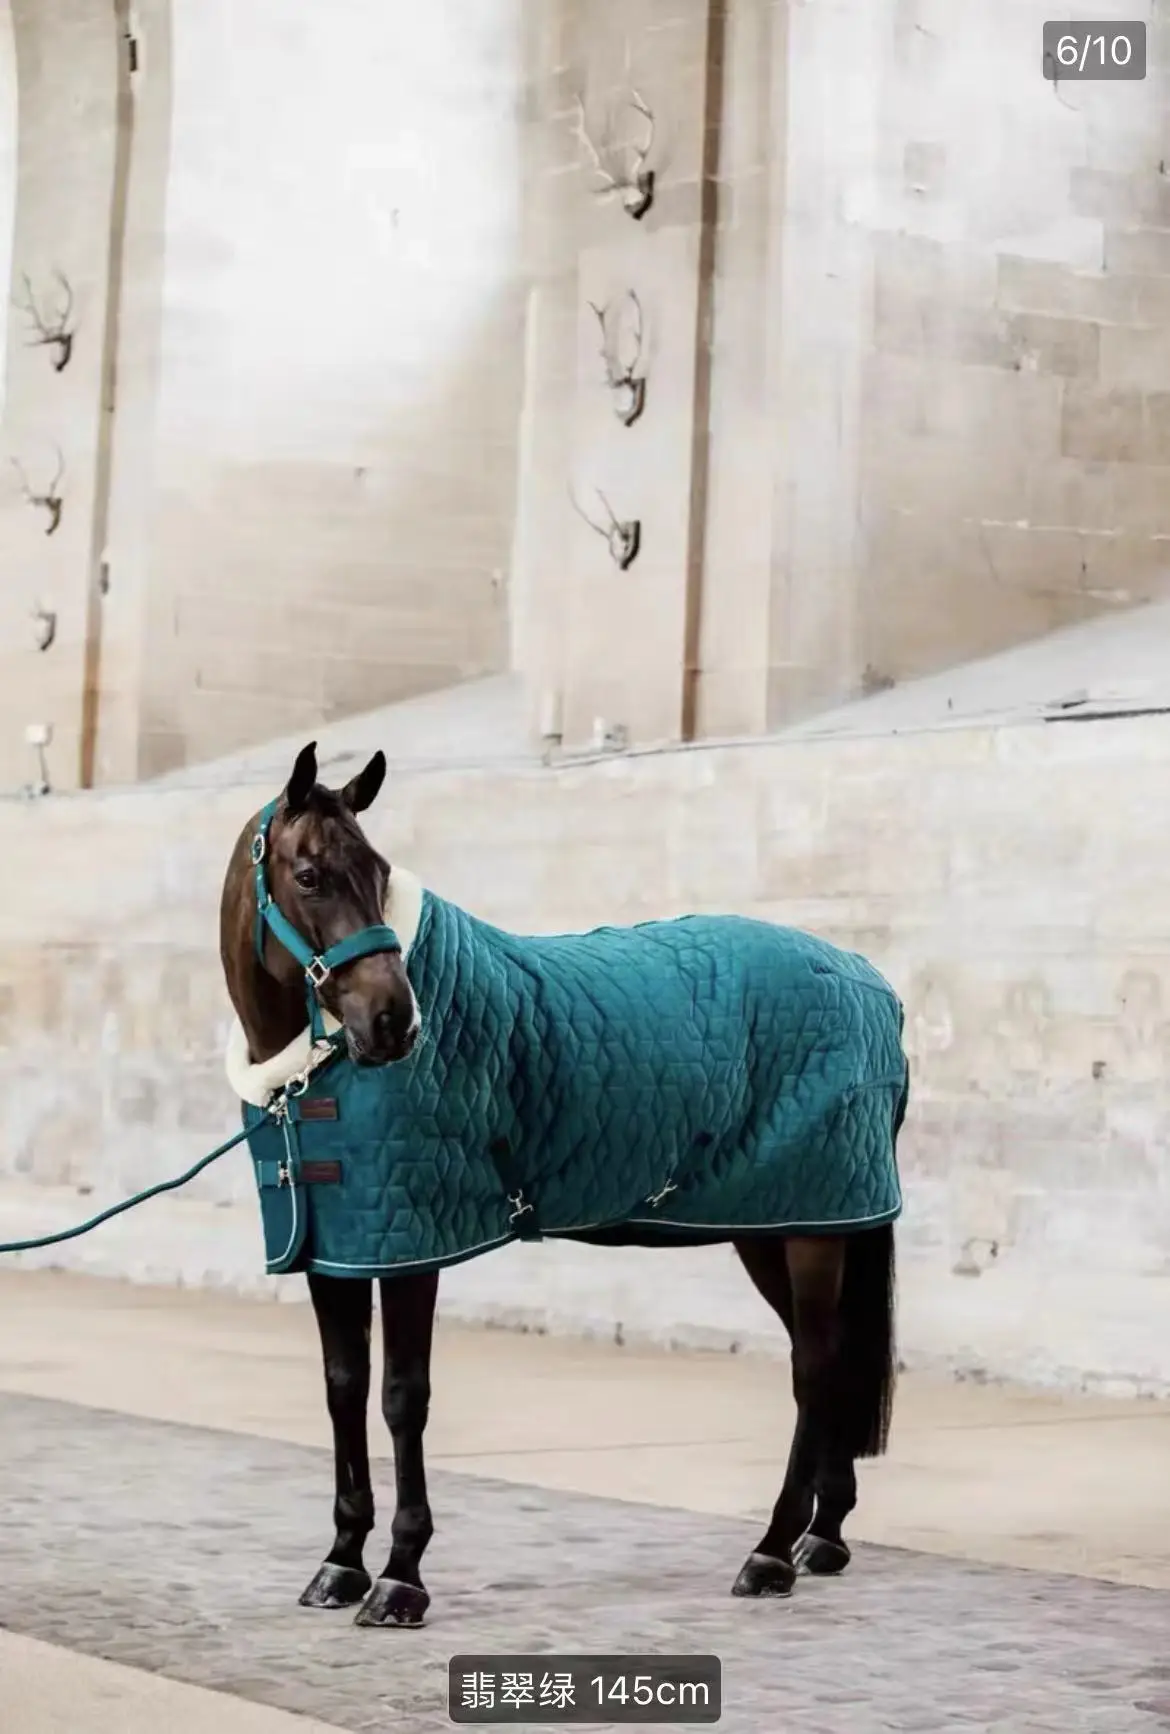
[753, 1070]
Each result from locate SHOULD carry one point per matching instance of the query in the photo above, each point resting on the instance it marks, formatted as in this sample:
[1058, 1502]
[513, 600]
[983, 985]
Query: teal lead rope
[277, 1109]
[126, 1203]
[317, 968]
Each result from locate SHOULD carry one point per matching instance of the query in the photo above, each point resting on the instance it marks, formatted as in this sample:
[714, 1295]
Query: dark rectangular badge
[318, 1108]
[320, 1173]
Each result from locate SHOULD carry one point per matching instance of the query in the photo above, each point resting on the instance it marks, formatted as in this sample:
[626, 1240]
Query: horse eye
[306, 878]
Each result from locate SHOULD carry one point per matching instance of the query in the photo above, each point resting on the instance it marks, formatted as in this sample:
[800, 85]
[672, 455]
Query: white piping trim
[793, 1226]
[844, 1223]
[277, 1264]
[254, 1081]
[328, 1265]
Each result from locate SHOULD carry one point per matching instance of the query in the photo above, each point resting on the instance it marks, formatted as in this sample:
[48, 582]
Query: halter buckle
[259, 848]
[318, 972]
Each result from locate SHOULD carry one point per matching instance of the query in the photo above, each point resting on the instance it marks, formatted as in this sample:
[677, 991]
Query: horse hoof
[336, 1586]
[821, 1558]
[393, 1604]
[763, 1576]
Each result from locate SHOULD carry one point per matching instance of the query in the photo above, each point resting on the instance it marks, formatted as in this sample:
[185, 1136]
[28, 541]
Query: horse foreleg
[343, 1307]
[398, 1597]
[814, 1274]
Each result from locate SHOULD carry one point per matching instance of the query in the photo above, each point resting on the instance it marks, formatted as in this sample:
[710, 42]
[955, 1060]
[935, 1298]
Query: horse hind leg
[868, 1368]
[802, 1279]
[821, 1550]
[343, 1307]
[866, 1378]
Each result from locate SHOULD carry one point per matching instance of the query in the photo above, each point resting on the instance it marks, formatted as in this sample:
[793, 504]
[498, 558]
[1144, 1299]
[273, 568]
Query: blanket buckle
[519, 1207]
[656, 1198]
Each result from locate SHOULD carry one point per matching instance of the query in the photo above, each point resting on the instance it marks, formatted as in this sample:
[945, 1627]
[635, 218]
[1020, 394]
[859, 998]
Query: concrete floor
[975, 1472]
[47, 1690]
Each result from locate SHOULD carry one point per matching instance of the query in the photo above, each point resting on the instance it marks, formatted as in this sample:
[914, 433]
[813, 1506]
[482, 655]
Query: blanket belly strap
[683, 1169]
[524, 1219]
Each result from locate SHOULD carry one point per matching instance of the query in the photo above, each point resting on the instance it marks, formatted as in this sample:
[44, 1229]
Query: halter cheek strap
[318, 966]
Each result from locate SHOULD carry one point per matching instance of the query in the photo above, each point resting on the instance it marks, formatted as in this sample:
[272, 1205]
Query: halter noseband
[318, 966]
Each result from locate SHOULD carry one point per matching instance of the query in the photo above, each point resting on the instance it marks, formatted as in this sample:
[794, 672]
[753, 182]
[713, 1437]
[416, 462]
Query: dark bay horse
[834, 1291]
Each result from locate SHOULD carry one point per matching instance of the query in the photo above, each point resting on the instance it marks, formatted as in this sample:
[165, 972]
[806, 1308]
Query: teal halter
[318, 967]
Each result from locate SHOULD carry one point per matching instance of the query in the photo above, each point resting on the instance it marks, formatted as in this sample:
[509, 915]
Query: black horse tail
[869, 1355]
[869, 1358]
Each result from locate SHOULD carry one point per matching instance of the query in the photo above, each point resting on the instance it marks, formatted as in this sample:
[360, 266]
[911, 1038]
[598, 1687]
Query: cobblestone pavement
[182, 1550]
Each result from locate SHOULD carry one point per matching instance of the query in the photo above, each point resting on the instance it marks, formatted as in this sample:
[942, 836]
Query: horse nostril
[387, 1026]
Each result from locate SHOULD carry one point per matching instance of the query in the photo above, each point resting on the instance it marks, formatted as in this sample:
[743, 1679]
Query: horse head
[301, 921]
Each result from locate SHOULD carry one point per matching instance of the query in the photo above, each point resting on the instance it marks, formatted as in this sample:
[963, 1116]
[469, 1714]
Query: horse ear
[304, 776]
[362, 791]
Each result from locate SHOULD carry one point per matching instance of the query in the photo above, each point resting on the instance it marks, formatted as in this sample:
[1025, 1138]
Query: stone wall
[905, 330]
[8, 141]
[1007, 878]
[290, 420]
[70, 137]
[342, 323]
[930, 293]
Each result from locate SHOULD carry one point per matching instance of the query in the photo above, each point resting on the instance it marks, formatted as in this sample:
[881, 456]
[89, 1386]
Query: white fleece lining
[254, 1082]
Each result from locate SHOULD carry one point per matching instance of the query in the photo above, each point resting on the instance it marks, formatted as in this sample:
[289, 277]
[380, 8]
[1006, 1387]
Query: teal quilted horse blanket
[675, 1082]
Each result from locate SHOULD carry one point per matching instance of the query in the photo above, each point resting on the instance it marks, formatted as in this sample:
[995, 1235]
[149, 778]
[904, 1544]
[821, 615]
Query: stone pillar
[127, 594]
[610, 645]
[67, 73]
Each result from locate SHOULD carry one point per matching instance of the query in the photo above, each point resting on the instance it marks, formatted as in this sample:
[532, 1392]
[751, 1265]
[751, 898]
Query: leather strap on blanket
[270, 1173]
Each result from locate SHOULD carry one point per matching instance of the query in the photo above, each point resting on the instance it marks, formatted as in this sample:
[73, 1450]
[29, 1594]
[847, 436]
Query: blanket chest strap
[272, 1173]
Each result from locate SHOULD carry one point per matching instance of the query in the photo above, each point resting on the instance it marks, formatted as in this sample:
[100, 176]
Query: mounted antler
[50, 501]
[54, 332]
[45, 626]
[636, 186]
[628, 386]
[622, 536]
[642, 177]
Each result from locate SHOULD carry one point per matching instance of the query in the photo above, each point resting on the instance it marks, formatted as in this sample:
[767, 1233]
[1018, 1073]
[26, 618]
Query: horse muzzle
[387, 1041]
